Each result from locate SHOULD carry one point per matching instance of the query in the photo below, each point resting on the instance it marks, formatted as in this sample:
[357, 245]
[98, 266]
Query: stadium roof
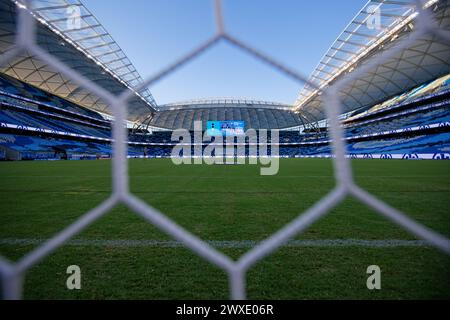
[82, 44]
[363, 39]
[256, 114]
[256, 117]
[90, 50]
[226, 102]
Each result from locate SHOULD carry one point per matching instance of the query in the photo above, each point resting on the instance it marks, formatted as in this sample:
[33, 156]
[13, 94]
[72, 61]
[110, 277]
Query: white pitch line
[227, 244]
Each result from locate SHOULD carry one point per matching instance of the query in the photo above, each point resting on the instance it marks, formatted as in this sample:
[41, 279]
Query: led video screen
[225, 128]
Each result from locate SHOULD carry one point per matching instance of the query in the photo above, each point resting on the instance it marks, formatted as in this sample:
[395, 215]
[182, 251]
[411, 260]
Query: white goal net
[12, 274]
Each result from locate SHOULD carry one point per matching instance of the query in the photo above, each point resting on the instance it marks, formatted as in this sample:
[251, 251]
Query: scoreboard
[225, 128]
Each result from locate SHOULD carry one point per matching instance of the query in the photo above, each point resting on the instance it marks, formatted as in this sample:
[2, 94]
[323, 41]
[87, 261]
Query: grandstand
[398, 110]
[35, 106]
[44, 126]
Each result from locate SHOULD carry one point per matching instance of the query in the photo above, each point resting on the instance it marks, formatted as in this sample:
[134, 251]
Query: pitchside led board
[225, 128]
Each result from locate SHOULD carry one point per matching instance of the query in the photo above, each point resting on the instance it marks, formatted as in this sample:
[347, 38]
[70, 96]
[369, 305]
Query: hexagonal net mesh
[12, 274]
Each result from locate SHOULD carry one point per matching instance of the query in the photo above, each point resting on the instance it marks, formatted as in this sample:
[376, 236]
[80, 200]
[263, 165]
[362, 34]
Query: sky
[155, 33]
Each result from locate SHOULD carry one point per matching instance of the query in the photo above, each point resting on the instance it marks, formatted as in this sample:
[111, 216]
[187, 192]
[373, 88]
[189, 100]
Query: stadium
[94, 173]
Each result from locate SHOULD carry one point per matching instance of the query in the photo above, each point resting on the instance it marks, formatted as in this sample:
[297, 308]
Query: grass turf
[38, 199]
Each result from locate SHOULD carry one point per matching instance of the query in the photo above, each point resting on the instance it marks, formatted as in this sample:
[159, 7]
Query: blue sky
[154, 33]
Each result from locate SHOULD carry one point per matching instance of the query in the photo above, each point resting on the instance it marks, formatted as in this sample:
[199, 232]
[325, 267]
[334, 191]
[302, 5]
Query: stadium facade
[397, 110]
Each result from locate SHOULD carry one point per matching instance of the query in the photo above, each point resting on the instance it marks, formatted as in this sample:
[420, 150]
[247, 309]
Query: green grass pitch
[225, 203]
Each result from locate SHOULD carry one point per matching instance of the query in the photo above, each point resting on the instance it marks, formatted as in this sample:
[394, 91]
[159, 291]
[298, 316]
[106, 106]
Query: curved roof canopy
[225, 102]
[83, 44]
[256, 114]
[378, 27]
